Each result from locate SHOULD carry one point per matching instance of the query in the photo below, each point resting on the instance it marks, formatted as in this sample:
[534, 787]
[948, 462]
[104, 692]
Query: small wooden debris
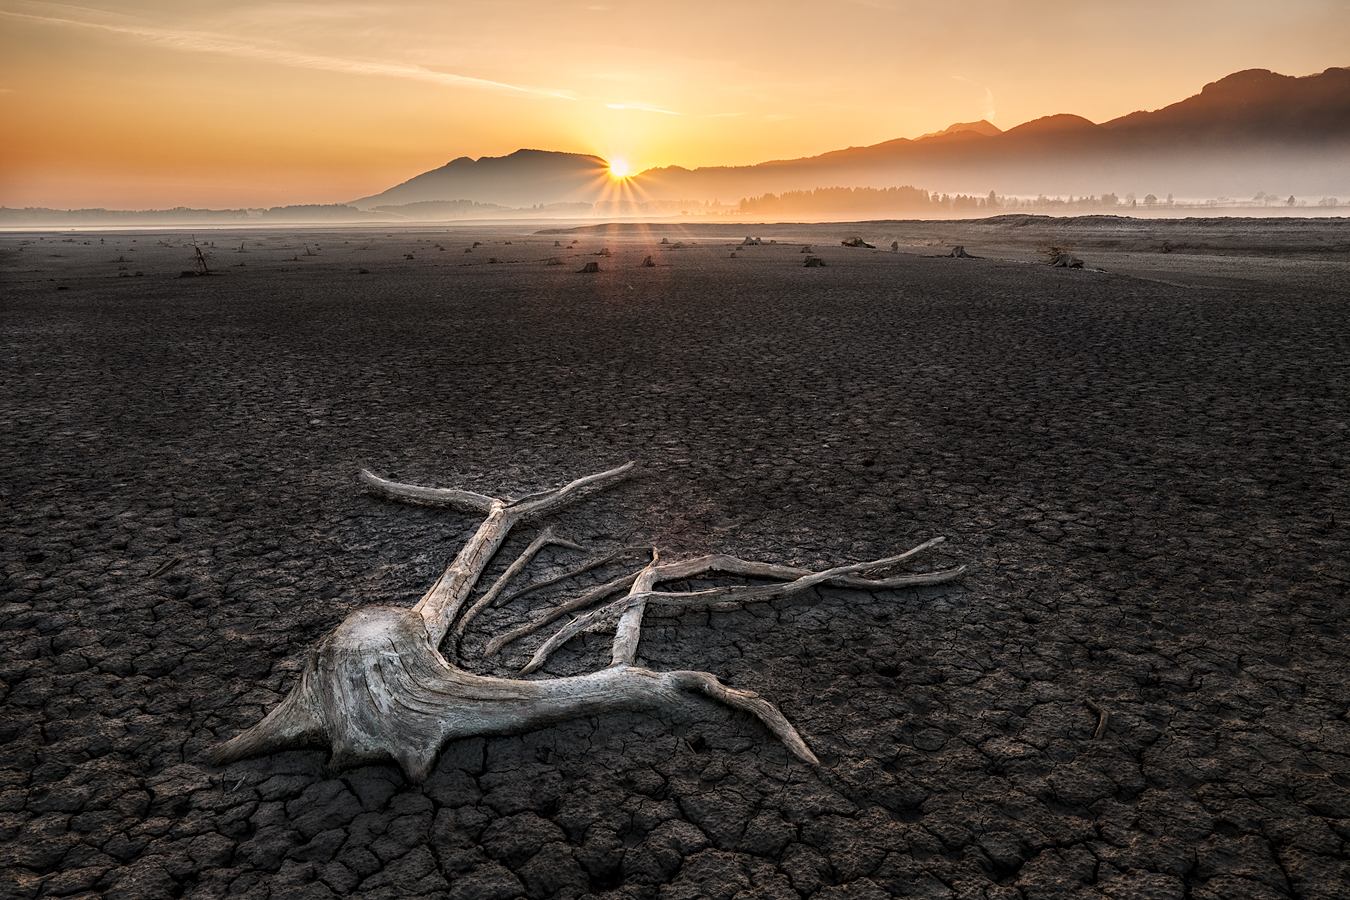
[1103, 718]
[166, 567]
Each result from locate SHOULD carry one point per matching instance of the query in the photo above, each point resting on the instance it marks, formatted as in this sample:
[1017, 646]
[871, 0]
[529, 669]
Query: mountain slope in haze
[962, 130]
[524, 178]
[1251, 131]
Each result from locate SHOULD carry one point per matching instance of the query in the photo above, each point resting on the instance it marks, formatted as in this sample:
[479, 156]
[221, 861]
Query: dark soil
[1148, 478]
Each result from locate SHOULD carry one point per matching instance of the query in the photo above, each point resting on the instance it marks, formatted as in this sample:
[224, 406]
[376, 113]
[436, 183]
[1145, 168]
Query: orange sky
[153, 104]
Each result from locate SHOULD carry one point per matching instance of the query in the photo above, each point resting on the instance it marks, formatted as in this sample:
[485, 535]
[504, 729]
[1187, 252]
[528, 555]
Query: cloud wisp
[671, 112]
[651, 109]
[986, 102]
[206, 42]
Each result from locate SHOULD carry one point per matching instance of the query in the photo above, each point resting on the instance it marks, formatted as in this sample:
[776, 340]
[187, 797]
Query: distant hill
[523, 179]
[963, 130]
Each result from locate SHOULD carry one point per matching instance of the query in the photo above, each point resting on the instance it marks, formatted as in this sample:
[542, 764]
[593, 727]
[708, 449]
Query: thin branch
[545, 538]
[749, 701]
[537, 504]
[731, 565]
[464, 501]
[441, 604]
[579, 570]
[537, 495]
[629, 630]
[734, 595]
[469, 501]
[594, 595]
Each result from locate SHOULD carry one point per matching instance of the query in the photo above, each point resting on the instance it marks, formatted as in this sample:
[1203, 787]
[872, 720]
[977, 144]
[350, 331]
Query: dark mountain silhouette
[1250, 131]
[962, 130]
[525, 178]
[1254, 105]
[1253, 130]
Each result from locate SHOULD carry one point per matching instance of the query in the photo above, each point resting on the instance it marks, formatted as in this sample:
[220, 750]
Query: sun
[619, 169]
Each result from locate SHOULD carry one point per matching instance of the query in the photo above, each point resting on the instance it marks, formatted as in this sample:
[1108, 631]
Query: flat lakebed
[1143, 462]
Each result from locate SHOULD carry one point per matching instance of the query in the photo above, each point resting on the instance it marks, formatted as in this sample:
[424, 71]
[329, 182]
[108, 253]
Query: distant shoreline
[130, 221]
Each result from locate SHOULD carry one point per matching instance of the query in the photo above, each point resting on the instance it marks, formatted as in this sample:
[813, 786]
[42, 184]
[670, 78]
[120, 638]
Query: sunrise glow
[158, 104]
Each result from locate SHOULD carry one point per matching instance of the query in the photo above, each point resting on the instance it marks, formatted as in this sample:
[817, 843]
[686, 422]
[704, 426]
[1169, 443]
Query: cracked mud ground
[1148, 478]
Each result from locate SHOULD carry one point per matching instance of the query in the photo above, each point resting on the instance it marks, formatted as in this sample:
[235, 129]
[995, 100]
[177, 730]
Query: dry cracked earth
[1143, 462]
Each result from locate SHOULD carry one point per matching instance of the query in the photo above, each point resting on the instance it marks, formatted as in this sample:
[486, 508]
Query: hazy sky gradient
[151, 103]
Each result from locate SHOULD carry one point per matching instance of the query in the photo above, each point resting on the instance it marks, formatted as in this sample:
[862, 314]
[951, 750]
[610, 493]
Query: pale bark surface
[379, 688]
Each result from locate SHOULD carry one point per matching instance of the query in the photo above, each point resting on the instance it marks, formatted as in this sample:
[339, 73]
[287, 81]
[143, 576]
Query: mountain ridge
[1251, 129]
[982, 128]
[526, 177]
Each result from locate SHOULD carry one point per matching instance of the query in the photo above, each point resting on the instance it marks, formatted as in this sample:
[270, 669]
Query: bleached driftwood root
[378, 687]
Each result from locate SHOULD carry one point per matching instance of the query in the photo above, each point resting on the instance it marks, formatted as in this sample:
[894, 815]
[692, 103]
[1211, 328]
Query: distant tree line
[837, 200]
[631, 207]
[179, 215]
[908, 199]
[39, 215]
[442, 208]
[912, 200]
